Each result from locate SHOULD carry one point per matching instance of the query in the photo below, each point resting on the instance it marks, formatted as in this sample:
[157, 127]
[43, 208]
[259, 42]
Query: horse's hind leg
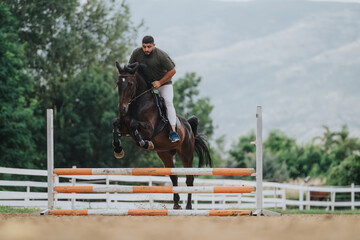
[168, 160]
[189, 183]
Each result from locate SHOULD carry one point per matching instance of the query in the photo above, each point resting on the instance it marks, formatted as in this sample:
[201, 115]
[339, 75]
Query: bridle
[134, 98]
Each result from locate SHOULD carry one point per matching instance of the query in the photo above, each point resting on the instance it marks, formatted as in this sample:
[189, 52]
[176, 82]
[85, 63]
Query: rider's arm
[164, 79]
[167, 76]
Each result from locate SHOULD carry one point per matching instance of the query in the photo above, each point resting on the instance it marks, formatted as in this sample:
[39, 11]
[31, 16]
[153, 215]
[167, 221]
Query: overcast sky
[298, 59]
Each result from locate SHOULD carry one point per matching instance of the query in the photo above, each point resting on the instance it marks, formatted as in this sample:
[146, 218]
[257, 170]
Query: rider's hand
[156, 84]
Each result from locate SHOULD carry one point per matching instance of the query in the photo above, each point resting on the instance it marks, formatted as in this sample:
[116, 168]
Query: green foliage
[346, 173]
[334, 156]
[243, 152]
[187, 102]
[286, 150]
[336, 147]
[18, 125]
[69, 50]
[218, 152]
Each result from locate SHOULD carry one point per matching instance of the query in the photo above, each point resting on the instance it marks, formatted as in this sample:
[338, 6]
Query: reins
[138, 96]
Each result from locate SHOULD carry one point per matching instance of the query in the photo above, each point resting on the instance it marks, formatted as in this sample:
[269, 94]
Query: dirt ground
[26, 226]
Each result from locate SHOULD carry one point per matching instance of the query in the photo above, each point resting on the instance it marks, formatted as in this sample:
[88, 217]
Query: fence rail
[275, 195]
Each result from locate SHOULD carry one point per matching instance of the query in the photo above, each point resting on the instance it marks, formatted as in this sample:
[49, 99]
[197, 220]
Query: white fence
[275, 194]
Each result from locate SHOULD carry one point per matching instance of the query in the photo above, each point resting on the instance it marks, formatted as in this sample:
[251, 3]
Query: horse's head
[127, 85]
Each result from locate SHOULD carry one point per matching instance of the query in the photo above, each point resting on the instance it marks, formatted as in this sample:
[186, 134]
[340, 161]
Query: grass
[316, 211]
[5, 209]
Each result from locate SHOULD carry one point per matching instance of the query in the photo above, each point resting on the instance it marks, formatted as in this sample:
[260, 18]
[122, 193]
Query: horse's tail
[201, 147]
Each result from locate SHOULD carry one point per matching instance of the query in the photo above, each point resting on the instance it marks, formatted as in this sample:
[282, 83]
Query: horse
[141, 118]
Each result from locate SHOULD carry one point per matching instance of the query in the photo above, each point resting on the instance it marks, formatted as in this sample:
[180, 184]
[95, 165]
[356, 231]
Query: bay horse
[140, 118]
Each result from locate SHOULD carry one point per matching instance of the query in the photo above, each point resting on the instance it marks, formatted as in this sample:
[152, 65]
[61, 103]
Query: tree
[346, 173]
[286, 150]
[70, 48]
[243, 155]
[337, 146]
[187, 102]
[17, 120]
[243, 152]
[218, 152]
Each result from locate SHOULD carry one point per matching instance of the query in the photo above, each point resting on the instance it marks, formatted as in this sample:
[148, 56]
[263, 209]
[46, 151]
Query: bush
[346, 173]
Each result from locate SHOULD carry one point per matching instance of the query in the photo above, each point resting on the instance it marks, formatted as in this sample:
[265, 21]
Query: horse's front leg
[135, 129]
[118, 150]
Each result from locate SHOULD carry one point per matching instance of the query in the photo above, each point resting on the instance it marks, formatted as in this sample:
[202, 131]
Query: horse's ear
[118, 66]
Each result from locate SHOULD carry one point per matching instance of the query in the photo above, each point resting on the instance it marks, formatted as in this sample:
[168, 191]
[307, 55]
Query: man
[161, 69]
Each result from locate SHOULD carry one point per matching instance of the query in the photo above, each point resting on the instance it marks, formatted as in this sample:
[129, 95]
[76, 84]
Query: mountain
[300, 60]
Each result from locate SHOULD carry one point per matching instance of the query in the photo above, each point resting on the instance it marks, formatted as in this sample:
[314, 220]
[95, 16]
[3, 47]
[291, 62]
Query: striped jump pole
[152, 189]
[150, 212]
[156, 171]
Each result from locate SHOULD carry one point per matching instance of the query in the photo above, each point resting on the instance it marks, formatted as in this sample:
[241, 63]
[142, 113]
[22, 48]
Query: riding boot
[174, 137]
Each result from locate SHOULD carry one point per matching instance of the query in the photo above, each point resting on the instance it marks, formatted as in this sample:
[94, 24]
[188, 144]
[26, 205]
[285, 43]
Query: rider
[161, 69]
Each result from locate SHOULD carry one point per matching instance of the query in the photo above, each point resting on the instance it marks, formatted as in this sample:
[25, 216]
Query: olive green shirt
[158, 62]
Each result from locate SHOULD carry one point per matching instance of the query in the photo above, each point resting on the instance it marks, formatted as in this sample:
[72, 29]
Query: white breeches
[167, 92]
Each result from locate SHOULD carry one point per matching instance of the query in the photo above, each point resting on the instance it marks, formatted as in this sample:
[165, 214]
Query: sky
[298, 59]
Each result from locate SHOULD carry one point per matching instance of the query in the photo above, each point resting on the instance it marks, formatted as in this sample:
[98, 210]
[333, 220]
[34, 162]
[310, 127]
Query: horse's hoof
[177, 206]
[119, 155]
[151, 146]
[188, 207]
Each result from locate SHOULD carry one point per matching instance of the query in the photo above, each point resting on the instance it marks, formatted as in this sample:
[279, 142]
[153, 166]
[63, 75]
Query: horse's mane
[141, 69]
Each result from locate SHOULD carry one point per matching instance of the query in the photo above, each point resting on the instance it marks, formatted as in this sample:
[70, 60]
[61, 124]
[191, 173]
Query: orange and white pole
[156, 171]
[153, 189]
[151, 212]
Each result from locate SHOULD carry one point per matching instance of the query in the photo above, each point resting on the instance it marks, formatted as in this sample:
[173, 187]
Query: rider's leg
[167, 92]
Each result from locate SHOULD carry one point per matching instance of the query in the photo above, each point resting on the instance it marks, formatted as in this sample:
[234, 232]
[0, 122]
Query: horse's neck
[141, 85]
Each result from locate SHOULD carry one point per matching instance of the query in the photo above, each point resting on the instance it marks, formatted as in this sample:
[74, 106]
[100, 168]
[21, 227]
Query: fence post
[259, 162]
[27, 199]
[333, 194]
[50, 157]
[307, 198]
[275, 197]
[283, 199]
[107, 194]
[352, 196]
[239, 200]
[151, 198]
[301, 198]
[213, 201]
